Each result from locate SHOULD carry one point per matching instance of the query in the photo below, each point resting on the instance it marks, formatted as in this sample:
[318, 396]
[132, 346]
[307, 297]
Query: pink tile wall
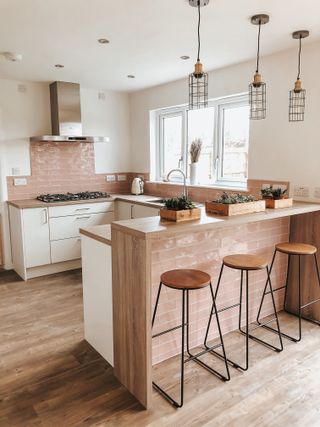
[204, 251]
[63, 167]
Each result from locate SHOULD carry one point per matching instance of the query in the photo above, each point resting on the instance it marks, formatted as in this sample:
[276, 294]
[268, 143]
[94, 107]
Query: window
[223, 128]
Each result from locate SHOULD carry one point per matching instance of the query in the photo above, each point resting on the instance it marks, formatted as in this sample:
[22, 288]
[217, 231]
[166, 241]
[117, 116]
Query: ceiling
[147, 37]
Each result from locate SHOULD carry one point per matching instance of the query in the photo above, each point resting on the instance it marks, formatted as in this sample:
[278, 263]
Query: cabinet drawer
[81, 208]
[66, 250]
[68, 226]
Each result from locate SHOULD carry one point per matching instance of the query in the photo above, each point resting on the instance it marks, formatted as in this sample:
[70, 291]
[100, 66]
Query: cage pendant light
[297, 96]
[198, 80]
[257, 89]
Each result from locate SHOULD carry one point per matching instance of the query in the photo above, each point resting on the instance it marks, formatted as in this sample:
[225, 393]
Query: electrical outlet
[110, 178]
[263, 186]
[20, 181]
[122, 177]
[301, 191]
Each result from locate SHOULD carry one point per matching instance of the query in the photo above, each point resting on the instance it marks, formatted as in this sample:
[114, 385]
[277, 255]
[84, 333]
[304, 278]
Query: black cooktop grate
[85, 195]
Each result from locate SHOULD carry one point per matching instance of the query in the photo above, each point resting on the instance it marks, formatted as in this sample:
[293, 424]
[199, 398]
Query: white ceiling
[147, 37]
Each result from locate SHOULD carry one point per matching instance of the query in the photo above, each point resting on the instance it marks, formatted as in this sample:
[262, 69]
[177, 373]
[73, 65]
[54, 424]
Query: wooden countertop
[151, 227]
[142, 199]
[101, 233]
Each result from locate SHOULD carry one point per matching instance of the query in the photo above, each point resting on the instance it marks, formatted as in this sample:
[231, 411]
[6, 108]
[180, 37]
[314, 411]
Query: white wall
[27, 113]
[279, 150]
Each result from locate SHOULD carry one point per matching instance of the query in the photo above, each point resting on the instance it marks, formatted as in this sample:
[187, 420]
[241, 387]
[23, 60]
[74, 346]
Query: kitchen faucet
[185, 191]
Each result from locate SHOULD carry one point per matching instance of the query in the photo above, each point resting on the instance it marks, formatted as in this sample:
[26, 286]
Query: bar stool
[293, 249]
[187, 280]
[245, 263]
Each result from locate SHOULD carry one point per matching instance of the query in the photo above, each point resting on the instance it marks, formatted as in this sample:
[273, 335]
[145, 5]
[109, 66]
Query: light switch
[301, 191]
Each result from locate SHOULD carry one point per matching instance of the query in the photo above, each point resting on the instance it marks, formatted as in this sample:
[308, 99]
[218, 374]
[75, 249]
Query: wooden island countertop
[150, 228]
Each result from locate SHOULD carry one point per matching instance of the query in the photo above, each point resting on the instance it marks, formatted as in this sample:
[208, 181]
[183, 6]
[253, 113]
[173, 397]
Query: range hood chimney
[66, 116]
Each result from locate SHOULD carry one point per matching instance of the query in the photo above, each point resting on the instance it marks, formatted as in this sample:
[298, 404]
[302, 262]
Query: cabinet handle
[82, 209]
[45, 216]
[131, 211]
[84, 217]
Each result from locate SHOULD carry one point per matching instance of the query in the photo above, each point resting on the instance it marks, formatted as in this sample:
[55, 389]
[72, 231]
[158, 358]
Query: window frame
[219, 104]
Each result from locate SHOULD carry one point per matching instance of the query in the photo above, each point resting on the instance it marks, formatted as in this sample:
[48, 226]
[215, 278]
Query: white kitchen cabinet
[127, 210]
[141, 211]
[97, 296]
[124, 210]
[36, 237]
[46, 240]
[65, 227]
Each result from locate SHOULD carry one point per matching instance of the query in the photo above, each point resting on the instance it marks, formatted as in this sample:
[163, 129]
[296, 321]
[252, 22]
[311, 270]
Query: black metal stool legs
[248, 330]
[185, 337]
[300, 306]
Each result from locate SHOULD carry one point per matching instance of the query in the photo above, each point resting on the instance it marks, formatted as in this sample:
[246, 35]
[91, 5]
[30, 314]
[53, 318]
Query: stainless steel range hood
[66, 116]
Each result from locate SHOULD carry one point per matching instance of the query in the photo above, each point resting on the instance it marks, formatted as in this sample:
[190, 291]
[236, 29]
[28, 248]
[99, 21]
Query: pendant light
[198, 80]
[257, 89]
[297, 96]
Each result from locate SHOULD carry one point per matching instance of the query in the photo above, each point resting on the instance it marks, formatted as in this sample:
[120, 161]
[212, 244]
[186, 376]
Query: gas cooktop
[85, 195]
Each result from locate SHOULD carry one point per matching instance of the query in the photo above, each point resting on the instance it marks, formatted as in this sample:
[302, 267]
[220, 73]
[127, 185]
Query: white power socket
[110, 178]
[301, 191]
[20, 181]
[122, 177]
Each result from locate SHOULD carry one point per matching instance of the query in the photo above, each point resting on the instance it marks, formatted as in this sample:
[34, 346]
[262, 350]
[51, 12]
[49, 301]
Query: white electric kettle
[137, 186]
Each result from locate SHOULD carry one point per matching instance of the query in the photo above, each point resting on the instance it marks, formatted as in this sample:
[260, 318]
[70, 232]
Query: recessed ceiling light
[185, 57]
[131, 76]
[103, 41]
[59, 65]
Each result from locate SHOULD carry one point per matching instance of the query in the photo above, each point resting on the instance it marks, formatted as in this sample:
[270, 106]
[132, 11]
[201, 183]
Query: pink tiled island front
[145, 248]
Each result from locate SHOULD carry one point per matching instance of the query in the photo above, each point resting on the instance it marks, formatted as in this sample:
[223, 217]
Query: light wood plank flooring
[49, 376]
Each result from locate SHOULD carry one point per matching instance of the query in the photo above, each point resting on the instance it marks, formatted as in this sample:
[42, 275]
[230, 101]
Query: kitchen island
[144, 248]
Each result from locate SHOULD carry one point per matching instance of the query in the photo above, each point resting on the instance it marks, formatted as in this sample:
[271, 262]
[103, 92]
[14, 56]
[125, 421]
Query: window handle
[180, 163]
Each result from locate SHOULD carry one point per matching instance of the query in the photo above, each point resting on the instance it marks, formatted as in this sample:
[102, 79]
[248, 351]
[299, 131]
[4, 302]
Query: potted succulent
[179, 209]
[276, 197]
[230, 204]
[195, 151]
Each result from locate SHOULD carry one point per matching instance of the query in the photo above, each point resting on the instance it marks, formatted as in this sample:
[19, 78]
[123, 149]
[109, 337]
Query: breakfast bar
[143, 249]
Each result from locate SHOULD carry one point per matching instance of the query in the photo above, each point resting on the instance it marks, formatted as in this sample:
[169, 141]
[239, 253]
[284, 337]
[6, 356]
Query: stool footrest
[227, 308]
[262, 324]
[168, 330]
[201, 353]
[275, 290]
[310, 303]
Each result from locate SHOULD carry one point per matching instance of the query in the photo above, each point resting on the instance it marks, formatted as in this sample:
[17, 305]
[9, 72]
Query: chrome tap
[185, 191]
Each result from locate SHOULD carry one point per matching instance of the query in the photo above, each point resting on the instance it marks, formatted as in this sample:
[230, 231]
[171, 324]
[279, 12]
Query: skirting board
[53, 268]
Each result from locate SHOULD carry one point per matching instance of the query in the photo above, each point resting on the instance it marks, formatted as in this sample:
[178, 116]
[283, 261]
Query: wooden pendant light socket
[198, 69]
[257, 80]
[297, 86]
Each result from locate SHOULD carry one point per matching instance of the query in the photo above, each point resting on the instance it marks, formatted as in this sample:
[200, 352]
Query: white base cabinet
[46, 240]
[128, 210]
[97, 296]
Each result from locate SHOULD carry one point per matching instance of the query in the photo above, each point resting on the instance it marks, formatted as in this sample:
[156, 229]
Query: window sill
[221, 186]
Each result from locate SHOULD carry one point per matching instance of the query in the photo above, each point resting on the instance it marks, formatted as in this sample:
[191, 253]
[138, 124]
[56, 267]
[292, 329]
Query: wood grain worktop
[142, 199]
[149, 228]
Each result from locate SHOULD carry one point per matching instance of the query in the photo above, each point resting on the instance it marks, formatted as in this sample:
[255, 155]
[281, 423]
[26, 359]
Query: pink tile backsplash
[62, 167]
[204, 251]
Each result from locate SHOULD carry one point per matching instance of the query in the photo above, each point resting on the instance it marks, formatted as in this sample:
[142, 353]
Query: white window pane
[235, 142]
[172, 142]
[201, 125]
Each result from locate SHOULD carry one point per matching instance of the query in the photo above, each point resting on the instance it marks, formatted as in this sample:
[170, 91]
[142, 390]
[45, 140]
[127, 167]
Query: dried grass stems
[195, 150]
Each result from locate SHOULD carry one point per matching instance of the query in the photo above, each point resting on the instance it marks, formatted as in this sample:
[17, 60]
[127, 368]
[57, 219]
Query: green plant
[179, 203]
[273, 193]
[233, 198]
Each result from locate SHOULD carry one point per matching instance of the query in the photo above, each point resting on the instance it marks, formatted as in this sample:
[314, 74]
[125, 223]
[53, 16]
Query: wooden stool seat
[185, 279]
[296, 248]
[245, 262]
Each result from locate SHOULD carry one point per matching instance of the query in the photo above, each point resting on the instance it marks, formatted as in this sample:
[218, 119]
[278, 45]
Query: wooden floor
[49, 376]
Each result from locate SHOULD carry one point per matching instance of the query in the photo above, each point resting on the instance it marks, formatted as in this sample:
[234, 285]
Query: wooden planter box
[278, 204]
[235, 209]
[186, 215]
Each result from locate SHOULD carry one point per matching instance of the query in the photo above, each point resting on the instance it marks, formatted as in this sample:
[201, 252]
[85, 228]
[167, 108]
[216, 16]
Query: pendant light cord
[199, 22]
[299, 58]
[258, 50]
